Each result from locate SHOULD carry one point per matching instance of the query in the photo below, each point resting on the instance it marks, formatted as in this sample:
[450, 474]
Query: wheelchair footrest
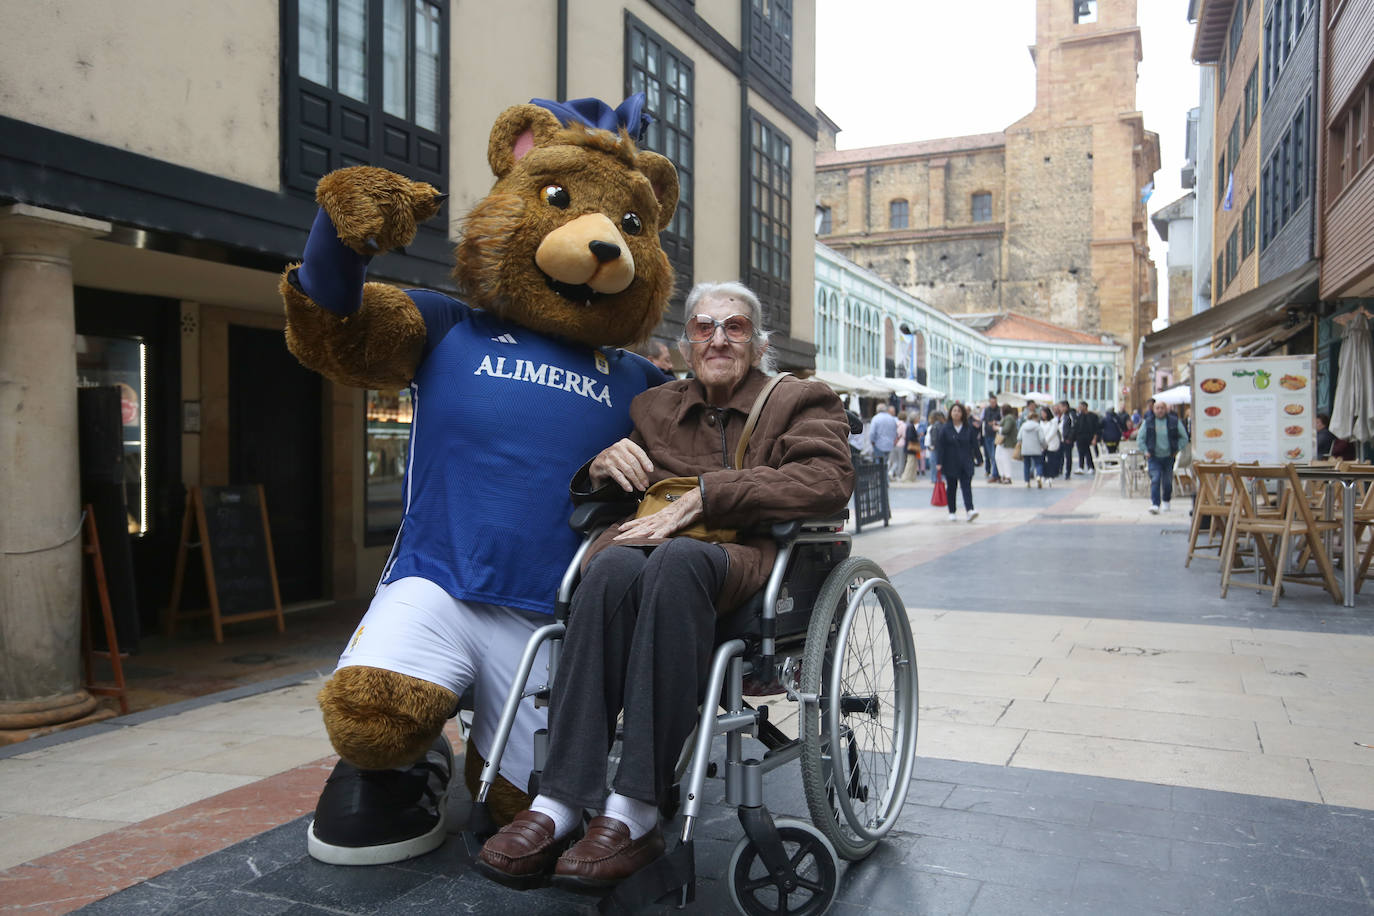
[670, 879]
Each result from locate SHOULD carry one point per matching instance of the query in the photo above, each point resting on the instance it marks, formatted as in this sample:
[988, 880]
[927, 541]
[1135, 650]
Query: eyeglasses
[737, 328]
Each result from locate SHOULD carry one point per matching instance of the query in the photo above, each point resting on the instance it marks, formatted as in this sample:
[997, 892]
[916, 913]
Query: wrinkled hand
[375, 210]
[679, 514]
[625, 463]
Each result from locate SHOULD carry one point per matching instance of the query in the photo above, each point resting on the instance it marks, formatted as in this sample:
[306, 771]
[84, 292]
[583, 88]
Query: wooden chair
[1213, 503]
[1272, 535]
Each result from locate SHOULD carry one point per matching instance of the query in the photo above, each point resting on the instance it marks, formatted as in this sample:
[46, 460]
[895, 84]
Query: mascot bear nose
[604, 252]
[579, 253]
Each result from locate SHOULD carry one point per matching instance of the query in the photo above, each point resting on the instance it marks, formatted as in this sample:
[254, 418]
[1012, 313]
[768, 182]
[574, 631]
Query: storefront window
[122, 362]
[389, 413]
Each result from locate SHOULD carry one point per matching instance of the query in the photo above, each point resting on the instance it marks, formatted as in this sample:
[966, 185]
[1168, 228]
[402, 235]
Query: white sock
[639, 816]
[564, 816]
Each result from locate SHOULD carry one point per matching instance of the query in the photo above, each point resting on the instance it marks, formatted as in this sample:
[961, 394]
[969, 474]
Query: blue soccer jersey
[503, 418]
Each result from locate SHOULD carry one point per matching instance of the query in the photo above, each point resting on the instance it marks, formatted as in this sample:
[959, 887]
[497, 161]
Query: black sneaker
[372, 817]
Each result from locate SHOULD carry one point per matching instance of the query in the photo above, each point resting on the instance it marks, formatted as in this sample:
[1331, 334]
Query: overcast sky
[890, 71]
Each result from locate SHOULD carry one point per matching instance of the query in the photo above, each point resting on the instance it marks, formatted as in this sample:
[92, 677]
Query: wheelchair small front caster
[806, 889]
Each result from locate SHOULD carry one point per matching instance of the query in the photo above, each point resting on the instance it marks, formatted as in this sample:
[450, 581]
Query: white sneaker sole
[972, 515]
[384, 854]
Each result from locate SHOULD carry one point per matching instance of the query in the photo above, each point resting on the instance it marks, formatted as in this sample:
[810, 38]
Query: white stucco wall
[194, 83]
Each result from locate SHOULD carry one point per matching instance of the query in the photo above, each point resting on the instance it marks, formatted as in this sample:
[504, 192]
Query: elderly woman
[642, 622]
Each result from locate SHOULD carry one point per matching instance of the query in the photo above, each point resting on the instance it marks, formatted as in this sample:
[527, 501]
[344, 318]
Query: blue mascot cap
[597, 114]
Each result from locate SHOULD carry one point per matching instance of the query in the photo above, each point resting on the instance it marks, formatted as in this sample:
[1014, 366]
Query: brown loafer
[605, 856]
[521, 855]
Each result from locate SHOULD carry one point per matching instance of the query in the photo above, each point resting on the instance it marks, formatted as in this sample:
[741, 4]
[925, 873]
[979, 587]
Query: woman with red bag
[960, 452]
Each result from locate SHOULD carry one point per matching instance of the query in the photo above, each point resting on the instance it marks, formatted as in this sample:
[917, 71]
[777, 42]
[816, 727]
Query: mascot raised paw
[558, 265]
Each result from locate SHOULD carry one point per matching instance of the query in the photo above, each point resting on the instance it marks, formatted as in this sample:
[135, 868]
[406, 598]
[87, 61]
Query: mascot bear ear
[663, 177]
[519, 129]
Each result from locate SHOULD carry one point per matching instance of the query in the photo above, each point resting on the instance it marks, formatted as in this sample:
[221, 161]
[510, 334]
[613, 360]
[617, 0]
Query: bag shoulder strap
[754, 413]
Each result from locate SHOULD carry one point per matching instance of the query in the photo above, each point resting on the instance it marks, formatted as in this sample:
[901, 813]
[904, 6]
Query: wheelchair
[828, 634]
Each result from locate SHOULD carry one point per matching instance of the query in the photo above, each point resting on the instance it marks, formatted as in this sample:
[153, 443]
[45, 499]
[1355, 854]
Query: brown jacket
[797, 465]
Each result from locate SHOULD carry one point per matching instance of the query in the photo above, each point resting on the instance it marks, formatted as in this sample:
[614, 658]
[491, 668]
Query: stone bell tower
[1077, 166]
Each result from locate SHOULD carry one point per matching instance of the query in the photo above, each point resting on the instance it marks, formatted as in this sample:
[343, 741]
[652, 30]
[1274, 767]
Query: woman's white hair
[736, 291]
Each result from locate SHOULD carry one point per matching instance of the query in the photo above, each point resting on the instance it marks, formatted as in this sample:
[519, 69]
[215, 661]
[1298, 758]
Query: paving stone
[1301, 874]
[1133, 819]
[1110, 884]
[352, 890]
[1088, 843]
[1289, 903]
[902, 890]
[1021, 804]
[1101, 789]
[1004, 900]
[985, 862]
[952, 823]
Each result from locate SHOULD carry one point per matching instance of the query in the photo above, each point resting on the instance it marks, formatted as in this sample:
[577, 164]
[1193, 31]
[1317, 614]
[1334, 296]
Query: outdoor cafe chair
[1213, 504]
[1273, 534]
[1105, 464]
[1364, 522]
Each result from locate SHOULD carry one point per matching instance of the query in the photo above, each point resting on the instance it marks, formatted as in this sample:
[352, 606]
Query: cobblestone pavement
[1100, 734]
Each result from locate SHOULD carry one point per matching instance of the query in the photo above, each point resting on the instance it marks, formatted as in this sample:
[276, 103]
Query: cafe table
[1347, 479]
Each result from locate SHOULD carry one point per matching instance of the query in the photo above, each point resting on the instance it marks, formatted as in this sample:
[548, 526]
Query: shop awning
[845, 383]
[1247, 313]
[902, 387]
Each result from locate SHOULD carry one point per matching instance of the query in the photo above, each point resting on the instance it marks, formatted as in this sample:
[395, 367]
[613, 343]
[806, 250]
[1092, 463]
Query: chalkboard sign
[235, 540]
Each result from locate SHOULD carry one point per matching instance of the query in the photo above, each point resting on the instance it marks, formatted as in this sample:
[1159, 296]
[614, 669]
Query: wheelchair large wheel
[808, 888]
[859, 741]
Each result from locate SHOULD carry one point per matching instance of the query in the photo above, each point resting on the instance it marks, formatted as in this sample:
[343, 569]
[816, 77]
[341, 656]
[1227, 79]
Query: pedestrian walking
[1032, 450]
[932, 440]
[992, 421]
[912, 436]
[960, 451]
[1066, 431]
[1049, 432]
[1086, 427]
[882, 433]
[1111, 433]
[1004, 448]
[898, 463]
[1161, 448]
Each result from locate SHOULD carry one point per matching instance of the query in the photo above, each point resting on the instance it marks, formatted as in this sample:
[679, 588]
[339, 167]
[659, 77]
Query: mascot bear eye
[631, 224]
[557, 196]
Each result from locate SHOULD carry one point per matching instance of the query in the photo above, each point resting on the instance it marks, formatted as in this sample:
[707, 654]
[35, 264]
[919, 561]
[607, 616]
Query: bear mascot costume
[558, 264]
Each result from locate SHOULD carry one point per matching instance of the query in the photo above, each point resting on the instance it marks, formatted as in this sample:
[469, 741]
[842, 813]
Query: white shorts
[414, 627]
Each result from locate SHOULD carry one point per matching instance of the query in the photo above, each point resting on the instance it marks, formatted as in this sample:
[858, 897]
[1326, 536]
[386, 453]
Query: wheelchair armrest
[587, 516]
[787, 531]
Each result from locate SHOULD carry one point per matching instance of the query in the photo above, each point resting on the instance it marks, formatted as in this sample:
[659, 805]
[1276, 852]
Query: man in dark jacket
[991, 422]
[1086, 427]
[1161, 439]
[1111, 430]
[1064, 417]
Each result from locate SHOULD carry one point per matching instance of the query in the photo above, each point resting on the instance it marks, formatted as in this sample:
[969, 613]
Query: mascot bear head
[566, 243]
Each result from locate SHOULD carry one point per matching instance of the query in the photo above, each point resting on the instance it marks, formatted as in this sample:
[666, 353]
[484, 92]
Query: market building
[157, 167]
[867, 326]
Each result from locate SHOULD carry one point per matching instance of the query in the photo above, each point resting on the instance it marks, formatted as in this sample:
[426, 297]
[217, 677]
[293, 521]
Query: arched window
[1043, 382]
[1092, 397]
[995, 375]
[1076, 389]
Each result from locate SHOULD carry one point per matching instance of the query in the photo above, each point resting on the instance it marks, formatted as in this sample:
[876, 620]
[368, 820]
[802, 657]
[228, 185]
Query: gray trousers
[639, 639]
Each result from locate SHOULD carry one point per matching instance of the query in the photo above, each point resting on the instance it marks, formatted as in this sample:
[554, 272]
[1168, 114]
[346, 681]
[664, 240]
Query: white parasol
[1179, 394]
[1352, 412]
[903, 387]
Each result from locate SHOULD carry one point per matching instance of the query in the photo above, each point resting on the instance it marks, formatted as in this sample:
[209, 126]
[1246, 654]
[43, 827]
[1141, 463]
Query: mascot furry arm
[565, 244]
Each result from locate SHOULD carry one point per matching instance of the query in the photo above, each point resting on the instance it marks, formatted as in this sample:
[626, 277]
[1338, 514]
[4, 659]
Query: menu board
[1259, 409]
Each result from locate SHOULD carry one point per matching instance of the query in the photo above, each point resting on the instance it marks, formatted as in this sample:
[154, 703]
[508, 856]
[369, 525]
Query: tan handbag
[1016, 452]
[670, 489]
[997, 440]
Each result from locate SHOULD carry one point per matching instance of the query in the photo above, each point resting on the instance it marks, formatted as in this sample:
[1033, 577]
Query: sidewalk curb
[160, 712]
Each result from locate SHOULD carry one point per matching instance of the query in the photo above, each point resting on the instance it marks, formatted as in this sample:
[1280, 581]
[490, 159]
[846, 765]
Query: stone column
[40, 512]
